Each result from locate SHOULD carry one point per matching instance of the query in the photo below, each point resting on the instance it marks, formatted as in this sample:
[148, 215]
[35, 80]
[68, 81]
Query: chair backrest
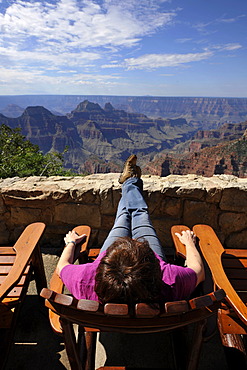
[179, 247]
[213, 252]
[24, 248]
[141, 318]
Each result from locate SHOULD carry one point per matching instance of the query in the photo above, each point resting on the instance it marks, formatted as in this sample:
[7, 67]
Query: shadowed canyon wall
[64, 202]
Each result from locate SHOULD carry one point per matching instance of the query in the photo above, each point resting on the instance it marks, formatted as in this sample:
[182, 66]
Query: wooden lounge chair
[141, 318]
[17, 265]
[229, 272]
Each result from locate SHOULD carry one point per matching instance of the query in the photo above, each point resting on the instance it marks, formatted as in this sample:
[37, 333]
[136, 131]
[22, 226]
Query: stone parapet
[64, 202]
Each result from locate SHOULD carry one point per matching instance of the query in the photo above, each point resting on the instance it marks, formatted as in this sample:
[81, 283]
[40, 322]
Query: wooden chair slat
[233, 273]
[199, 302]
[146, 310]
[21, 282]
[116, 309]
[239, 284]
[15, 292]
[234, 263]
[63, 299]
[177, 307]
[239, 253]
[93, 252]
[243, 296]
[86, 305]
[7, 259]
[10, 301]
[7, 251]
[5, 270]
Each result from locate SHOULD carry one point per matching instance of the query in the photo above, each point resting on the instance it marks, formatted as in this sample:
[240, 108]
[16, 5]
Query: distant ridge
[212, 111]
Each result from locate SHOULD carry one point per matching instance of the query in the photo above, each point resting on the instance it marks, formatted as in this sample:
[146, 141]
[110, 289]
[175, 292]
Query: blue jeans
[132, 218]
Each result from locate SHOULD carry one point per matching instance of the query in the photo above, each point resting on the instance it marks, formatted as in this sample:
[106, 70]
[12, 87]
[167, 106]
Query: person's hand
[186, 237]
[72, 236]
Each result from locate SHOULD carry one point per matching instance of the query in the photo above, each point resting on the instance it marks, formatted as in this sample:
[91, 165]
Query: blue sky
[130, 47]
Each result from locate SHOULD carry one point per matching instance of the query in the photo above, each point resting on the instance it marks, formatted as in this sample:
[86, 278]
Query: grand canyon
[205, 136]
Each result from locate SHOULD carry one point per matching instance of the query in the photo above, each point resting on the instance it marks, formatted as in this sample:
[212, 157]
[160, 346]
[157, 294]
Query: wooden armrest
[180, 247]
[24, 248]
[212, 251]
[56, 283]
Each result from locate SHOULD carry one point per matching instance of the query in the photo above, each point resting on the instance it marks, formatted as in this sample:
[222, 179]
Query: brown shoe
[130, 169]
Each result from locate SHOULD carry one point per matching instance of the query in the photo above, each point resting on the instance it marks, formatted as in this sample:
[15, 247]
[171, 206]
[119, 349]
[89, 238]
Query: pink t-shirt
[178, 282]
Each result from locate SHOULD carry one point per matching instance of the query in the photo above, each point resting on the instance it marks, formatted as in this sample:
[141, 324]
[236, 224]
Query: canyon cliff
[100, 139]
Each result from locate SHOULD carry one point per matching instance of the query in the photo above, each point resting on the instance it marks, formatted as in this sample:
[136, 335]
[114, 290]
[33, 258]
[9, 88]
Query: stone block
[160, 205]
[107, 222]
[78, 214]
[200, 213]
[234, 199]
[34, 199]
[109, 199]
[213, 195]
[85, 195]
[4, 234]
[26, 216]
[163, 230]
[237, 240]
[171, 207]
[153, 201]
[106, 202]
[2, 206]
[192, 192]
[231, 222]
[102, 235]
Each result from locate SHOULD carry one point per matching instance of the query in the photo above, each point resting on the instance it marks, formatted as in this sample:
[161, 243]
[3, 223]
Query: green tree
[19, 157]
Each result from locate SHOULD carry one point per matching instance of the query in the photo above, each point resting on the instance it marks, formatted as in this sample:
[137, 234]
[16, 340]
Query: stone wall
[64, 202]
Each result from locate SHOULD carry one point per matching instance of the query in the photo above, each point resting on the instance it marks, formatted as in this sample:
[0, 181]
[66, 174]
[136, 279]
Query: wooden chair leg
[196, 346]
[234, 350]
[71, 345]
[180, 347]
[39, 271]
[91, 338]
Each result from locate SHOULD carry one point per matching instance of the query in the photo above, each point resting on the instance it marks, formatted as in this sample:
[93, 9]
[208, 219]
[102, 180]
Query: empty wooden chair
[229, 272]
[228, 268]
[17, 265]
[92, 317]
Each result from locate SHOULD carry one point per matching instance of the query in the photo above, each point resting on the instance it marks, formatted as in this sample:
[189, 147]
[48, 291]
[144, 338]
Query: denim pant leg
[133, 219]
[121, 227]
[141, 225]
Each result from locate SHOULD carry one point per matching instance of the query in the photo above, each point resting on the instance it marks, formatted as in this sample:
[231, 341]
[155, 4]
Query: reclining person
[131, 266]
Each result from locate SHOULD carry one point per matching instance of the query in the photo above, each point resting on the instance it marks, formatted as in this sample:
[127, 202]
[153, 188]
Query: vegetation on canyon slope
[19, 157]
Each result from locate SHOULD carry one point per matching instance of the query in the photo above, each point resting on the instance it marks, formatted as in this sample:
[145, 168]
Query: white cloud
[183, 40]
[154, 61]
[230, 20]
[37, 80]
[229, 47]
[67, 24]
[71, 34]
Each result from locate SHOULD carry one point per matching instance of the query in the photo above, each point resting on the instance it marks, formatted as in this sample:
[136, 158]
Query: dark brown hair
[128, 273]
